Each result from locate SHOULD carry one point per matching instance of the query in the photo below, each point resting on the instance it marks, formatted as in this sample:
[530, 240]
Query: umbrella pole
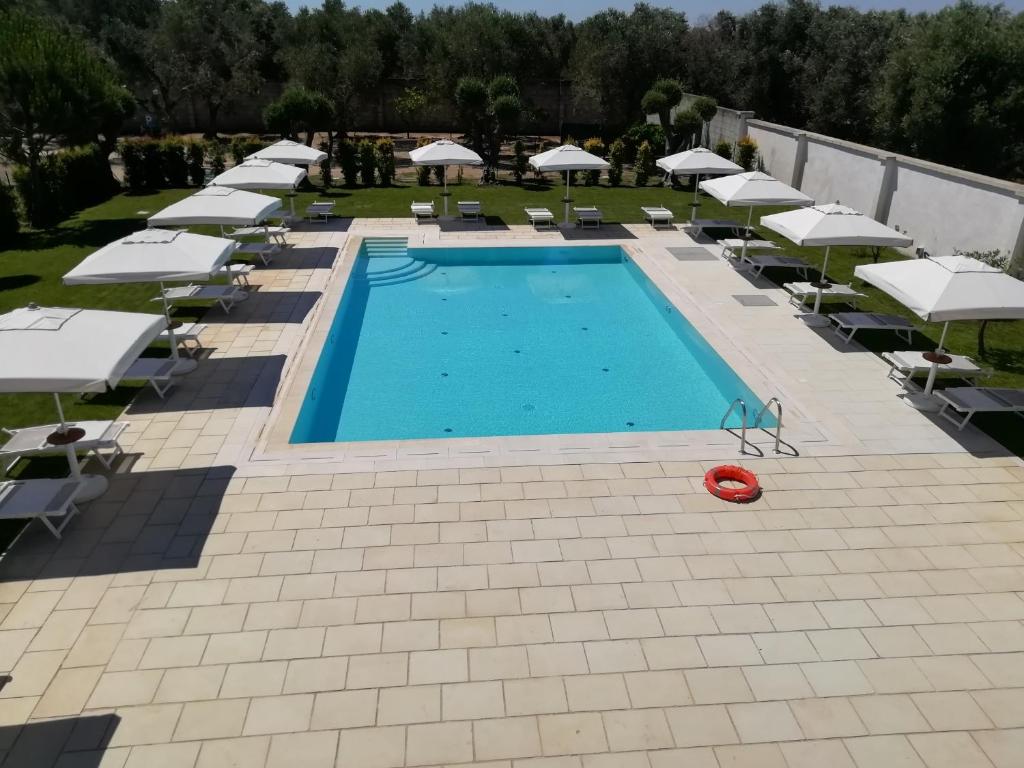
[181, 365]
[93, 486]
[60, 413]
[746, 233]
[693, 208]
[445, 194]
[821, 282]
[568, 180]
[934, 370]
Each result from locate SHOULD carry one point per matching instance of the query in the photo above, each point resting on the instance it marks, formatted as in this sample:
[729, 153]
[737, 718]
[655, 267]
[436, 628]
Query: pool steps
[390, 262]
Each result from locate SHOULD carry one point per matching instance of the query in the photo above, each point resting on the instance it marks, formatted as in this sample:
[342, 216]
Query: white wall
[833, 173]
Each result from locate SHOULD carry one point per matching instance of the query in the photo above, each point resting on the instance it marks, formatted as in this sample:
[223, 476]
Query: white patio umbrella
[942, 289]
[829, 225]
[288, 151]
[261, 174]
[156, 256]
[697, 162]
[218, 205]
[445, 153]
[55, 350]
[567, 158]
[751, 189]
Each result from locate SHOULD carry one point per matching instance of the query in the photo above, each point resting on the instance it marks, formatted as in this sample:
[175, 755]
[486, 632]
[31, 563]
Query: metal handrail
[728, 413]
[778, 426]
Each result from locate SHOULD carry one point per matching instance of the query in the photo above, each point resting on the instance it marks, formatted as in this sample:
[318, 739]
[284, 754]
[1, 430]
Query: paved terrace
[590, 608]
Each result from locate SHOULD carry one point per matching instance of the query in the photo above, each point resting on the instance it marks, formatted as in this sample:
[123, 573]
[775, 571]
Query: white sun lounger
[538, 216]
[100, 440]
[239, 273]
[588, 214]
[971, 400]
[732, 247]
[848, 323]
[422, 210]
[904, 366]
[470, 209]
[802, 295]
[277, 234]
[263, 251]
[759, 263]
[699, 225]
[320, 209]
[43, 500]
[225, 295]
[658, 215]
[187, 332]
[155, 371]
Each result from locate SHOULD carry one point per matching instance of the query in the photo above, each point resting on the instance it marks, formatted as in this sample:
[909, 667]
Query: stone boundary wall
[942, 208]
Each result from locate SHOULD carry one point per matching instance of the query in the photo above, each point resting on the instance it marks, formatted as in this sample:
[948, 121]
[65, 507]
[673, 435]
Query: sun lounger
[422, 210]
[732, 247]
[470, 209]
[697, 226]
[588, 214]
[848, 323]
[971, 400]
[155, 371]
[43, 500]
[100, 440]
[658, 215]
[904, 366]
[225, 295]
[538, 216]
[320, 209]
[238, 273]
[801, 295]
[185, 333]
[263, 251]
[758, 264]
[275, 234]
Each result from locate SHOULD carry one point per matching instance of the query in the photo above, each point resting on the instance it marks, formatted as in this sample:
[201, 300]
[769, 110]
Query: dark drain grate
[692, 254]
[755, 300]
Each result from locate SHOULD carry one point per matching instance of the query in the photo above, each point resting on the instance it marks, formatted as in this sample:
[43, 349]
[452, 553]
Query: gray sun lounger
[183, 335]
[588, 215]
[44, 500]
[422, 210]
[848, 323]
[263, 251]
[971, 400]
[803, 294]
[225, 295]
[758, 264]
[320, 209]
[155, 371]
[470, 209]
[904, 366]
[277, 234]
[538, 216]
[699, 225]
[100, 440]
[658, 215]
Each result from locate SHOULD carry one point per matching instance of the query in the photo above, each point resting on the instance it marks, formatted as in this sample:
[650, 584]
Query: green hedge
[151, 164]
[67, 181]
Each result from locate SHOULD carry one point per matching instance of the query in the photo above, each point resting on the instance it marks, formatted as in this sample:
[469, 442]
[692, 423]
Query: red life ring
[749, 491]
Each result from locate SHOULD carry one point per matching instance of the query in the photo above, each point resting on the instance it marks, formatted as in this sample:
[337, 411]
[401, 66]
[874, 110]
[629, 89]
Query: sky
[695, 9]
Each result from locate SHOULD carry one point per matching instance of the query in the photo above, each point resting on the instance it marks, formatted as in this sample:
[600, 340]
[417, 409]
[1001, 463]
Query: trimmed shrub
[215, 149]
[244, 145]
[196, 155]
[439, 173]
[367, 162]
[175, 164]
[152, 164]
[69, 180]
[348, 157]
[652, 133]
[326, 171]
[134, 173]
[385, 150]
[723, 149]
[423, 171]
[519, 161]
[616, 154]
[644, 165]
[687, 126]
[594, 146]
[9, 223]
[746, 153]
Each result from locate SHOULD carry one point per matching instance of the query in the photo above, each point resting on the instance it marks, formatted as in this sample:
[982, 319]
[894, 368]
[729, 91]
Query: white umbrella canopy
[697, 162]
[567, 157]
[444, 152]
[153, 256]
[288, 151]
[753, 188]
[260, 174]
[54, 350]
[832, 224]
[225, 206]
[944, 289]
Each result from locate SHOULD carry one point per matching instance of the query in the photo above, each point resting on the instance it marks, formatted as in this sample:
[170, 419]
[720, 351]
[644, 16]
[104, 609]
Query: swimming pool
[473, 342]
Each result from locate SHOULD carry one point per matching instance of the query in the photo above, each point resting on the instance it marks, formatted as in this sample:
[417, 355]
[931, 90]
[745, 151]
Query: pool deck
[549, 602]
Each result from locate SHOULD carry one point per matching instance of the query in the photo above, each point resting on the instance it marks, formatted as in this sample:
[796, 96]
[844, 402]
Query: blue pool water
[470, 342]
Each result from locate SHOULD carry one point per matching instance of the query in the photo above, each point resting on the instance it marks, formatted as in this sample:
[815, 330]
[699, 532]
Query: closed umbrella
[261, 174]
[751, 189]
[697, 162]
[288, 151]
[943, 289]
[55, 350]
[444, 153]
[156, 256]
[829, 225]
[567, 157]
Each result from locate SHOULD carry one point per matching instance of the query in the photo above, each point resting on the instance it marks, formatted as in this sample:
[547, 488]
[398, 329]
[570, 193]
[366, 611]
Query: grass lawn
[32, 272]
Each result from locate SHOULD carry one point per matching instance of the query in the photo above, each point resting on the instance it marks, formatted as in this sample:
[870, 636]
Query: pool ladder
[739, 401]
